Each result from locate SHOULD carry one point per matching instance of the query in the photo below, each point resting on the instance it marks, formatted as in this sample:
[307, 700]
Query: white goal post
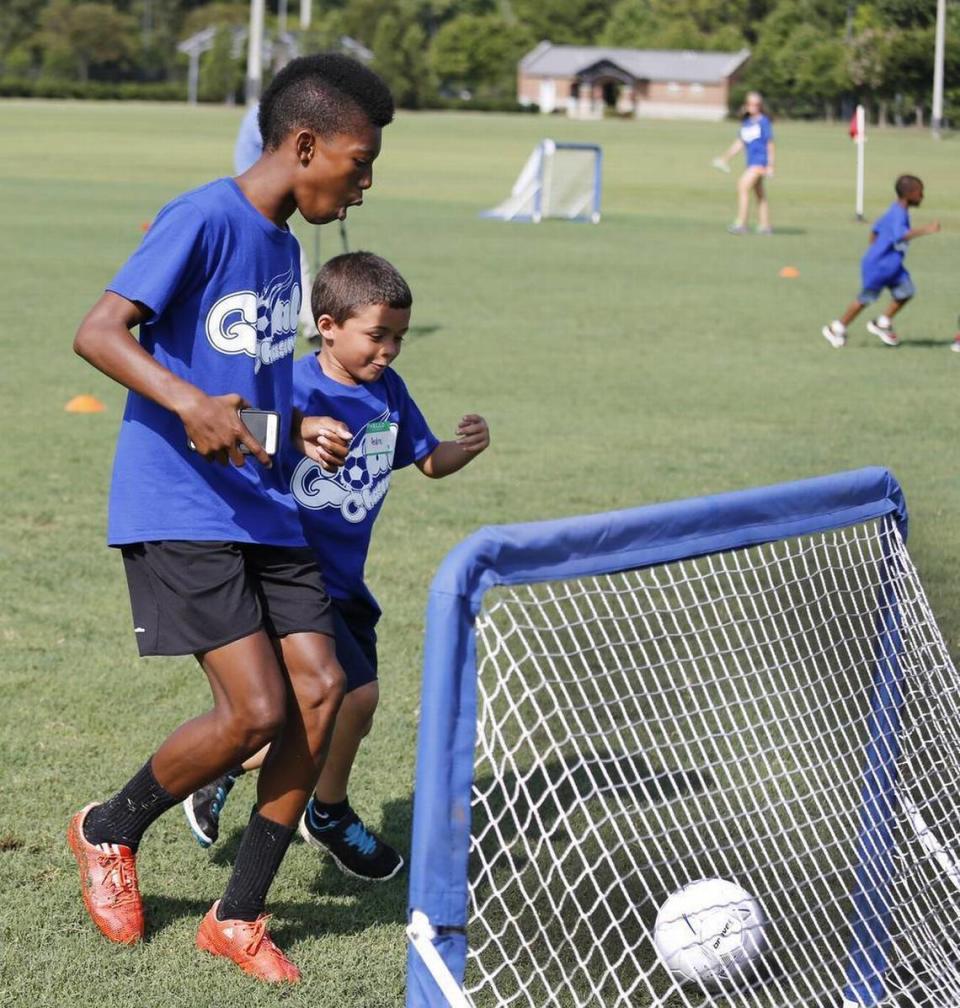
[749, 686]
[558, 180]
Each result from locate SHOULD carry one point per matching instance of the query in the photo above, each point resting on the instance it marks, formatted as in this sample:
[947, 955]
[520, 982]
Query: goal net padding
[558, 180]
[748, 686]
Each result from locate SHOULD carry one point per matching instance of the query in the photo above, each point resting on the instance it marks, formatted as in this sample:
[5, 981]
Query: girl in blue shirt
[756, 139]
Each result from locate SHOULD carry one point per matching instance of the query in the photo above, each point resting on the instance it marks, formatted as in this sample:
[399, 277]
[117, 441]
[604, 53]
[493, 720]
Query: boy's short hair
[326, 93]
[907, 184]
[349, 282]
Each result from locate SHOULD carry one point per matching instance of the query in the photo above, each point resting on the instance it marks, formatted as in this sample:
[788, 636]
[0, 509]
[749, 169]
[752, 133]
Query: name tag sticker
[379, 439]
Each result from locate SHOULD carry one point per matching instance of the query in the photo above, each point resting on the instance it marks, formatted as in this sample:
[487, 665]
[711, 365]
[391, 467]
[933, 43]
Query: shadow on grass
[927, 344]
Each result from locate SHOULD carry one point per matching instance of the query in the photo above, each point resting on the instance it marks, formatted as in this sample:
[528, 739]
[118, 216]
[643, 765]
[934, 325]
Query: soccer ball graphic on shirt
[711, 930]
[355, 474]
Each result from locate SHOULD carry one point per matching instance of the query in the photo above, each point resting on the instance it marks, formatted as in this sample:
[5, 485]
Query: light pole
[936, 119]
[255, 52]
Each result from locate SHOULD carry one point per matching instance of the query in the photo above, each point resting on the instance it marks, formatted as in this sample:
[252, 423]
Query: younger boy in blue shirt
[362, 309]
[882, 266]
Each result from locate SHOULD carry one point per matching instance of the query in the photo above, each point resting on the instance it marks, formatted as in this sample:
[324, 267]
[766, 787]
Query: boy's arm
[211, 422]
[771, 156]
[928, 229]
[473, 437]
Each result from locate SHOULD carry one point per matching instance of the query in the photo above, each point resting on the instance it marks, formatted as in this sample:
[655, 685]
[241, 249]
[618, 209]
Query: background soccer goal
[559, 180]
[749, 686]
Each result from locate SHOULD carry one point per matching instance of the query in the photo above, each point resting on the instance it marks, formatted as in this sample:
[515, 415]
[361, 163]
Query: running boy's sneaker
[884, 333]
[108, 883]
[955, 345]
[248, 944]
[835, 337]
[203, 808]
[736, 229]
[352, 846]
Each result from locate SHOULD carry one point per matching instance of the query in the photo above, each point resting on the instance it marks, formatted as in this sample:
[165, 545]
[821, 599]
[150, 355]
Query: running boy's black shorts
[191, 597]
[356, 639]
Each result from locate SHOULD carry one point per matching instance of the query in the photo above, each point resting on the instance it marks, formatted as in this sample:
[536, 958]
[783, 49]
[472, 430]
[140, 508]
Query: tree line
[809, 57]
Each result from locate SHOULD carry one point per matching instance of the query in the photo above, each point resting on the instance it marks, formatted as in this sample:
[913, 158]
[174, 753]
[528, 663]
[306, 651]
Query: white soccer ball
[710, 930]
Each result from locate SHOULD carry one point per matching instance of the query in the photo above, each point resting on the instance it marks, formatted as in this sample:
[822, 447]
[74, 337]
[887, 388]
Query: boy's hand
[324, 440]
[473, 435]
[214, 426]
[933, 227]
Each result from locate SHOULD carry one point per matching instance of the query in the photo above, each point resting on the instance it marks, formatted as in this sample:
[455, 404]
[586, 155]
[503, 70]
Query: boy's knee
[255, 723]
[326, 685]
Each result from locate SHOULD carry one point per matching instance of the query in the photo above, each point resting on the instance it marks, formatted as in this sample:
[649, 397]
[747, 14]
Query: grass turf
[647, 358]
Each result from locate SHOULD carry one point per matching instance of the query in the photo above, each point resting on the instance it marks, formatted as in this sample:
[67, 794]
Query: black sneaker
[203, 808]
[355, 849]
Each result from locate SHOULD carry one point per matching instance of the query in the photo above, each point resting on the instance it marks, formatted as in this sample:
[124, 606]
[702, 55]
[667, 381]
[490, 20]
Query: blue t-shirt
[883, 260]
[223, 283]
[755, 134]
[338, 509]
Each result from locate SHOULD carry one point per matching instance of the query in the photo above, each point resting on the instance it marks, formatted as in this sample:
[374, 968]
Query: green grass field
[647, 358]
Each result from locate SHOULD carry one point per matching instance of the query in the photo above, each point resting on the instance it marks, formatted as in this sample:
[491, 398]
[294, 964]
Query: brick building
[584, 81]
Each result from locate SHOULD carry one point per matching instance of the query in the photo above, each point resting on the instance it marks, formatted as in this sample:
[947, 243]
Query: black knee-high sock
[123, 819]
[261, 850]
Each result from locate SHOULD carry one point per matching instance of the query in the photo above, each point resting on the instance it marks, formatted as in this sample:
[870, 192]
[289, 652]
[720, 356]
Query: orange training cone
[789, 272]
[84, 404]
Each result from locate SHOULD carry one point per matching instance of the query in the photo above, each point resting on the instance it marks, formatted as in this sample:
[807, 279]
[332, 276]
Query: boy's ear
[305, 144]
[325, 324]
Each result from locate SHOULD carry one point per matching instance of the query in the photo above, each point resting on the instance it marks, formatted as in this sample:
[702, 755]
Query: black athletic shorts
[190, 597]
[356, 638]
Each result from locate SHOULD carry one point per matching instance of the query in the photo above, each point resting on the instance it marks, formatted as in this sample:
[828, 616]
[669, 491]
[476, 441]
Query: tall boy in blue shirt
[216, 562]
[882, 266]
[362, 309]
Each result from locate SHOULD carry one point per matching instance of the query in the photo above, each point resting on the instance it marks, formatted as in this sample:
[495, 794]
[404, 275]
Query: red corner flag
[854, 132]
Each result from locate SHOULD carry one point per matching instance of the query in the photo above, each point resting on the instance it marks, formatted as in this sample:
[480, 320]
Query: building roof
[549, 60]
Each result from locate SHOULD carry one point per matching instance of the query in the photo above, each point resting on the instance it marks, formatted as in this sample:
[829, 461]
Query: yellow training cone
[84, 404]
[789, 272]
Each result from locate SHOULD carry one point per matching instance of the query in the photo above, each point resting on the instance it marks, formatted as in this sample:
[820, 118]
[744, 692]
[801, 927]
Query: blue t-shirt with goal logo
[882, 263]
[338, 509]
[756, 133]
[223, 285]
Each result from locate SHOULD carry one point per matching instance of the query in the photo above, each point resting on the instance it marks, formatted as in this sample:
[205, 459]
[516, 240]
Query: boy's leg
[353, 724]
[235, 925]
[329, 823]
[248, 707]
[835, 332]
[902, 290]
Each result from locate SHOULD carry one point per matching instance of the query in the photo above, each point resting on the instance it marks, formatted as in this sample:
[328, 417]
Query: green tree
[93, 36]
[400, 57]
[577, 22]
[480, 52]
[19, 19]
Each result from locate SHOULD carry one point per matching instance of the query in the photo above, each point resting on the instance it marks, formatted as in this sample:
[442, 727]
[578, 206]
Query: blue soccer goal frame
[602, 544]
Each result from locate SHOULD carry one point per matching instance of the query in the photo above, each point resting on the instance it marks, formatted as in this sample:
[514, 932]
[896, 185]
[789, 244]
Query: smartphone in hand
[264, 425]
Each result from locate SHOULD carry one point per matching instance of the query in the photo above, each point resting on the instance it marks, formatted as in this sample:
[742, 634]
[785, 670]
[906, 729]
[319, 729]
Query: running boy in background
[362, 308]
[215, 557]
[882, 266]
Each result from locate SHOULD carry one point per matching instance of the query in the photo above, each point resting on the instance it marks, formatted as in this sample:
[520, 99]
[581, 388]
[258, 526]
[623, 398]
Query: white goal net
[558, 180]
[784, 716]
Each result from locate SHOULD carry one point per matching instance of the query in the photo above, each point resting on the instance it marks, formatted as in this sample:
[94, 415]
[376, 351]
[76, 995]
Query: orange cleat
[108, 883]
[248, 945]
